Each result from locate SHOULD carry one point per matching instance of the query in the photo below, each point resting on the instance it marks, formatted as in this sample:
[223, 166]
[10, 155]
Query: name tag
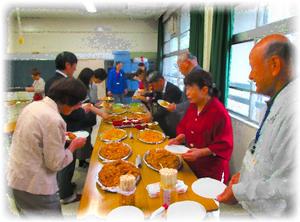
[250, 161]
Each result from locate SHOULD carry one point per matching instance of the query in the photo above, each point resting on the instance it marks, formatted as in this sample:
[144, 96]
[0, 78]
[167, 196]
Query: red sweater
[210, 128]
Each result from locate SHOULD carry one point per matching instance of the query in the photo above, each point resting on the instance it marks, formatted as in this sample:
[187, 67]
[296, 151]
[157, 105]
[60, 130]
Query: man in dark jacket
[166, 91]
[66, 63]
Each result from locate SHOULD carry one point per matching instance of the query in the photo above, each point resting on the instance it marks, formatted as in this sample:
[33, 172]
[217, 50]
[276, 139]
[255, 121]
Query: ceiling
[107, 10]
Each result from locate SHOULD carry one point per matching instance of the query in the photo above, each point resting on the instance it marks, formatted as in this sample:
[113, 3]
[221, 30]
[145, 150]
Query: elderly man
[264, 185]
[166, 91]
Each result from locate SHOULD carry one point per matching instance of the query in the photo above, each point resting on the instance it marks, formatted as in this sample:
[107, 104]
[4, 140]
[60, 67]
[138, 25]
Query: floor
[70, 210]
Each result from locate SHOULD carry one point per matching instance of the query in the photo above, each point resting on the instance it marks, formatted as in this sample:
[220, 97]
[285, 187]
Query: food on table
[136, 108]
[161, 158]
[114, 135]
[71, 135]
[151, 136]
[107, 98]
[118, 108]
[110, 173]
[114, 151]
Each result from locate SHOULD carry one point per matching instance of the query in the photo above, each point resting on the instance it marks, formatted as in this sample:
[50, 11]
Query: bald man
[264, 185]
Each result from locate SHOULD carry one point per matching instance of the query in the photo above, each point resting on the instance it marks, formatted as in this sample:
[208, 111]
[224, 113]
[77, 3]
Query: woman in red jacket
[206, 129]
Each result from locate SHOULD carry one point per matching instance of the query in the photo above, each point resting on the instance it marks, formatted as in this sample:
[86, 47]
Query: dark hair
[85, 76]
[154, 76]
[67, 91]
[35, 72]
[202, 78]
[100, 74]
[63, 58]
[284, 50]
[141, 64]
[118, 62]
[139, 72]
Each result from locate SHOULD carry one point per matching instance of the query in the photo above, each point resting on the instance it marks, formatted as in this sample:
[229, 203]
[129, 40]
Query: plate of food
[114, 151]
[113, 117]
[151, 136]
[107, 99]
[118, 108]
[109, 175]
[113, 134]
[163, 103]
[177, 149]
[161, 158]
[136, 108]
[77, 134]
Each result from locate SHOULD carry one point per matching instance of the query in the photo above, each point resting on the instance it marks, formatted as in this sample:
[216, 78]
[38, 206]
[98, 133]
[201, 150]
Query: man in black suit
[65, 63]
[166, 91]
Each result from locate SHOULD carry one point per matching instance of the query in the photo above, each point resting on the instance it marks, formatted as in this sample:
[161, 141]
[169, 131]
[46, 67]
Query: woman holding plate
[206, 129]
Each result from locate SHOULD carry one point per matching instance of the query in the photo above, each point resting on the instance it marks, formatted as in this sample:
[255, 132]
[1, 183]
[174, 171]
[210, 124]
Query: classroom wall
[243, 133]
[80, 35]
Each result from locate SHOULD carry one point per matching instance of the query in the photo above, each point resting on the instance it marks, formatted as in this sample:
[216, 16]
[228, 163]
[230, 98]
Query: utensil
[130, 135]
[138, 161]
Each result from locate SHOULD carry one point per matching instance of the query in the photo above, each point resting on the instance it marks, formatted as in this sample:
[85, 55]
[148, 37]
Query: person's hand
[105, 115]
[192, 154]
[235, 179]
[171, 107]
[174, 141]
[87, 107]
[125, 91]
[109, 93]
[227, 196]
[76, 143]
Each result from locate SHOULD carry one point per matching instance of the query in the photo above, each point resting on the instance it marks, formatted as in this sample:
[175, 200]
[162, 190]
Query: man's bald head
[275, 45]
[271, 63]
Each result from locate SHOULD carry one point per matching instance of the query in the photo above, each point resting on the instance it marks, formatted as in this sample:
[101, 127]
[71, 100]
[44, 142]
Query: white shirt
[39, 86]
[165, 86]
[60, 72]
[265, 187]
[37, 151]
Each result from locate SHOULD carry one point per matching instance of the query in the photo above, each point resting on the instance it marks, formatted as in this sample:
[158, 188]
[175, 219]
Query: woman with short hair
[37, 151]
[206, 129]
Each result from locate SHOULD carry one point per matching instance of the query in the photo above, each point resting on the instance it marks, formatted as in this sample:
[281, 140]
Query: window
[176, 39]
[251, 23]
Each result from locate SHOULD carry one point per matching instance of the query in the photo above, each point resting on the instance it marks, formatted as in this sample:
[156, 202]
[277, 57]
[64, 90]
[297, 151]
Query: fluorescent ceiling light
[89, 6]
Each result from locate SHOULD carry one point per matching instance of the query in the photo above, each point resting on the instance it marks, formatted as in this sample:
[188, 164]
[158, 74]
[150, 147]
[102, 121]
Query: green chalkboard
[18, 72]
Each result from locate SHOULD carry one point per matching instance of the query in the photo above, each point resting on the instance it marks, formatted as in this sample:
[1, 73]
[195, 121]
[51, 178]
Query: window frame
[284, 26]
[178, 13]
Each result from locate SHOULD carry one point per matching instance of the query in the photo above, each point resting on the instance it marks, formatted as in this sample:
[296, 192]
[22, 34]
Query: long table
[96, 202]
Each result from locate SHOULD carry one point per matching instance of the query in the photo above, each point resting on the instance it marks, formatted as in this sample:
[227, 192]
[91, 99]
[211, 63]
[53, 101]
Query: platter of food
[109, 175]
[114, 151]
[151, 136]
[113, 135]
[161, 158]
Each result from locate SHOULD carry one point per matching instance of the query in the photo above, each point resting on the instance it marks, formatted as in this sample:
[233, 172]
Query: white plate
[185, 211]
[161, 103]
[208, 187]
[177, 149]
[81, 134]
[125, 213]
